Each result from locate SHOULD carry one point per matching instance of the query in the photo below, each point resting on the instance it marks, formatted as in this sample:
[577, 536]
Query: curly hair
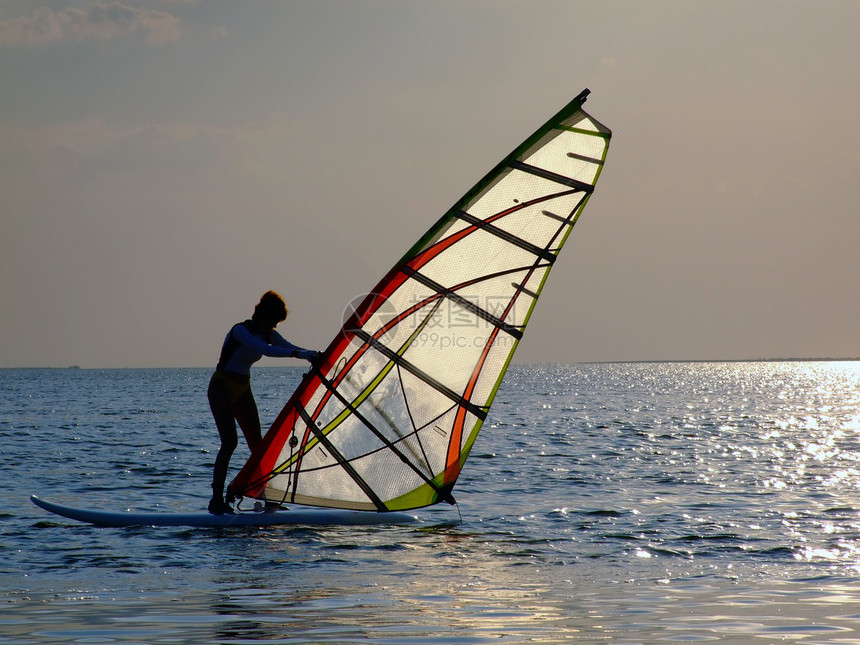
[270, 307]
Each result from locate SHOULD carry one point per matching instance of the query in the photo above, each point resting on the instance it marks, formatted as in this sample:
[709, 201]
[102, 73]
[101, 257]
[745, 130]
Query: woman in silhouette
[230, 396]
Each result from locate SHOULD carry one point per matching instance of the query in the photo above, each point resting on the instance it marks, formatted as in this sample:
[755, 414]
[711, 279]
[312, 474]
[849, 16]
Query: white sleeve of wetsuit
[279, 348]
[299, 352]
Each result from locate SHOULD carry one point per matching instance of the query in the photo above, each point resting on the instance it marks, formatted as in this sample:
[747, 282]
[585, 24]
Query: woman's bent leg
[245, 409]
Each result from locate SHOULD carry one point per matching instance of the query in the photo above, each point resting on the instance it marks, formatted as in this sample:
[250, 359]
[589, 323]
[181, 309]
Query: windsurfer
[230, 396]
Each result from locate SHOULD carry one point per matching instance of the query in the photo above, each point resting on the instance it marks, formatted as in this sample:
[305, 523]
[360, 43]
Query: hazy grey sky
[164, 163]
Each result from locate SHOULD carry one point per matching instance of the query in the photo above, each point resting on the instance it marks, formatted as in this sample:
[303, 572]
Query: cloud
[84, 137]
[91, 149]
[93, 136]
[97, 21]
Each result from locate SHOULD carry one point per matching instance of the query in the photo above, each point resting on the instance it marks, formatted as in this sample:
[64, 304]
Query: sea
[602, 503]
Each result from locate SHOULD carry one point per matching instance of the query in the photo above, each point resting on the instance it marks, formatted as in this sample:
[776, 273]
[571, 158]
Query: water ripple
[620, 502]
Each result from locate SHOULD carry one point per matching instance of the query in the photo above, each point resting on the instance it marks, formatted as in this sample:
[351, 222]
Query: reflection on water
[411, 611]
[621, 503]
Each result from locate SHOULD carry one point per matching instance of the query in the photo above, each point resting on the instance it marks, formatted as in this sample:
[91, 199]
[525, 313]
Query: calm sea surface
[623, 503]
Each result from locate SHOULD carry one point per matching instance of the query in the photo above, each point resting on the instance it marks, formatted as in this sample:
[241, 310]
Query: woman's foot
[268, 507]
[217, 506]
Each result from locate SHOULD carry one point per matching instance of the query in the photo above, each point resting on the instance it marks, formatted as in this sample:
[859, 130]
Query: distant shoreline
[614, 362]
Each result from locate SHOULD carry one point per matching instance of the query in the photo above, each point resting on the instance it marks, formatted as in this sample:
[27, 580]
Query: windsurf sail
[387, 417]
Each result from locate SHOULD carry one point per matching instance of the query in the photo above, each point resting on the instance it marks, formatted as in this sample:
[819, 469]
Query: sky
[163, 163]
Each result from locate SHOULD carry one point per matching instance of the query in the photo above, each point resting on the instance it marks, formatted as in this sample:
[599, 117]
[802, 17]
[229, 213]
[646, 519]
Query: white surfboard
[303, 516]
